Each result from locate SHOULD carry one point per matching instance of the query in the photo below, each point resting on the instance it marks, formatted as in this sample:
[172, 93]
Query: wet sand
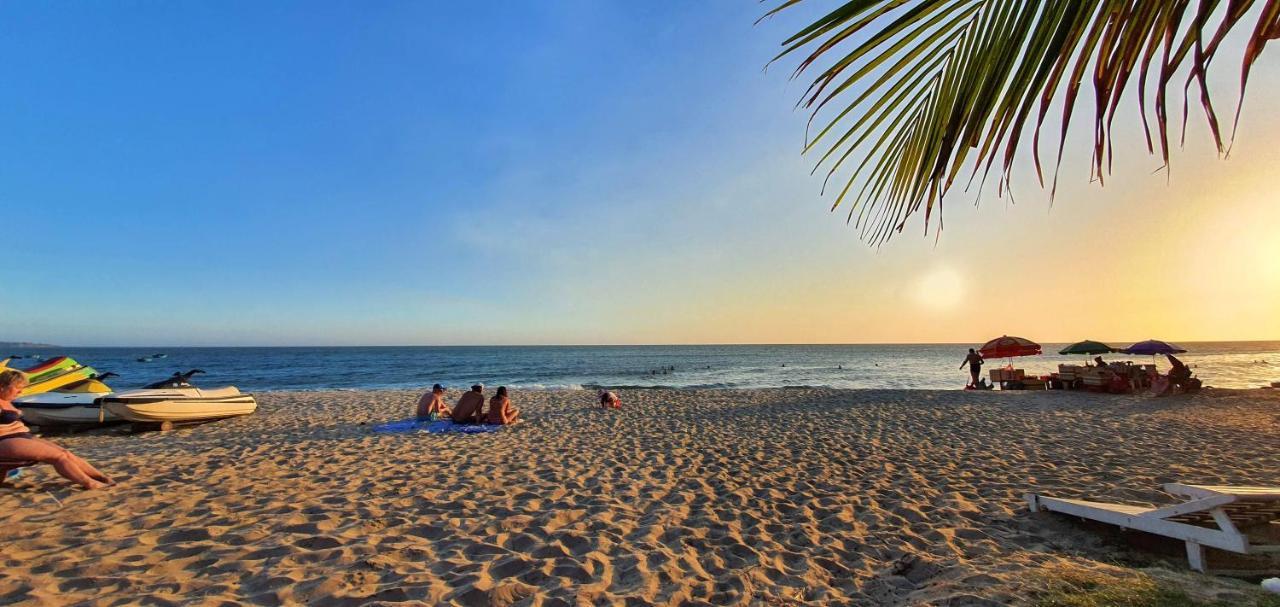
[773, 497]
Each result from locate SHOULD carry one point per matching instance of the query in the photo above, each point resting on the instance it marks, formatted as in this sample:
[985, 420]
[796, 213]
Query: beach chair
[1230, 518]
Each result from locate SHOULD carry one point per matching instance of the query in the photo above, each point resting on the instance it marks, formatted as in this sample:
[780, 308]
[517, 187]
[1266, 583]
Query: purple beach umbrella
[1152, 347]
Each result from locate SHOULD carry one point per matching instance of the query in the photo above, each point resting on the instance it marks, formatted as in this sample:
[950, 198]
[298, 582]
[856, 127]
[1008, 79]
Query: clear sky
[276, 173]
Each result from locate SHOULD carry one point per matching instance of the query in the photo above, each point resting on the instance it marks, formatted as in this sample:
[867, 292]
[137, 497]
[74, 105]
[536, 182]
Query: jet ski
[176, 400]
[58, 363]
[64, 409]
[92, 384]
[55, 373]
[76, 403]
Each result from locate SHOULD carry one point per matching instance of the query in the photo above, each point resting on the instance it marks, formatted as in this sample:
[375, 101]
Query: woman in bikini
[18, 444]
[500, 409]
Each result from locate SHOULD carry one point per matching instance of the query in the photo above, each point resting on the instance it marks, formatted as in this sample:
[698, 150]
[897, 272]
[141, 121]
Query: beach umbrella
[1153, 347]
[1087, 347]
[1009, 347]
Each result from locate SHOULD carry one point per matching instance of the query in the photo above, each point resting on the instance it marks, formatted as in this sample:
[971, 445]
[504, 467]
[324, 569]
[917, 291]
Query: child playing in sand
[609, 400]
[500, 409]
[431, 406]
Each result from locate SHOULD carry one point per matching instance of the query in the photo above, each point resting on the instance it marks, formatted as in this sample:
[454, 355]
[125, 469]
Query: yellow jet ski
[92, 385]
[60, 373]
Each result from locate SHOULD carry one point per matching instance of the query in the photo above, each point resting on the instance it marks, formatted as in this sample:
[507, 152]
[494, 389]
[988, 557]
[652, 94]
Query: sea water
[1222, 364]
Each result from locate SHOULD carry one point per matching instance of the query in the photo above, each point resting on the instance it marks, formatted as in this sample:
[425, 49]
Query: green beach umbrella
[1087, 348]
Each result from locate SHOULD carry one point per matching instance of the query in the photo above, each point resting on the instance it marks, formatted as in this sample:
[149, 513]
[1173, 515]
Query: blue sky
[249, 173]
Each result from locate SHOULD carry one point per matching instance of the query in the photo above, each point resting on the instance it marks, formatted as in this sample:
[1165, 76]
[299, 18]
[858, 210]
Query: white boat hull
[179, 405]
[63, 409]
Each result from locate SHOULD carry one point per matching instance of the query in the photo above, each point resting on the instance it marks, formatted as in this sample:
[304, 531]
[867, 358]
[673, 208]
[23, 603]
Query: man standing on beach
[974, 360]
[470, 408]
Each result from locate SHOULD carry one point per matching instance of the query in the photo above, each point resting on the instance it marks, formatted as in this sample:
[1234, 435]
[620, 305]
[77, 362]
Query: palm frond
[932, 87]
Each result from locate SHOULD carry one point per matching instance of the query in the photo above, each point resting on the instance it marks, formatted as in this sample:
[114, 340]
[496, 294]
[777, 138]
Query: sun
[941, 289]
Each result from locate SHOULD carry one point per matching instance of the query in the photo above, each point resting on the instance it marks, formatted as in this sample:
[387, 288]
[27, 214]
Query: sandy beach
[762, 497]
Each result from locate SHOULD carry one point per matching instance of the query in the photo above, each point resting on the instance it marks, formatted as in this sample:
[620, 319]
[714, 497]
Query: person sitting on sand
[431, 406]
[974, 360]
[1102, 364]
[609, 400]
[1180, 373]
[18, 444]
[470, 408]
[500, 410]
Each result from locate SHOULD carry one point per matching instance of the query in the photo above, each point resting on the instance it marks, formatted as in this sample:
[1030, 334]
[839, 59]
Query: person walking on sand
[431, 406]
[974, 360]
[470, 408]
[18, 444]
[500, 410]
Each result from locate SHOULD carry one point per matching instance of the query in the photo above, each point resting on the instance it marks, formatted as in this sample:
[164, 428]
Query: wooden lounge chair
[1213, 516]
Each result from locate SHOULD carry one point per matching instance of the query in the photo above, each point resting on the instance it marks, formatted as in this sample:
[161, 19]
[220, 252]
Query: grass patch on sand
[1084, 588]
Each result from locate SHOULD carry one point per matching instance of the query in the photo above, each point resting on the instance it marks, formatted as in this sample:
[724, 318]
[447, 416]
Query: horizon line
[42, 346]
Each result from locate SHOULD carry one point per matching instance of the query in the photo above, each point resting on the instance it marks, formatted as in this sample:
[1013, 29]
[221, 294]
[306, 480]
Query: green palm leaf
[913, 92]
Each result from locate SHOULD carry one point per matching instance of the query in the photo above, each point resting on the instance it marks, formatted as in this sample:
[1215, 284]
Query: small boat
[144, 359]
[159, 356]
[176, 400]
[63, 409]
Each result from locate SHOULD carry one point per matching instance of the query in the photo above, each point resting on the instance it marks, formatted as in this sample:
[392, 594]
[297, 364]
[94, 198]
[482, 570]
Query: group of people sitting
[470, 407]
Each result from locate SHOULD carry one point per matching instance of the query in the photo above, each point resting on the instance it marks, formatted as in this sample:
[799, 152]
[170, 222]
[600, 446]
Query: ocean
[1221, 364]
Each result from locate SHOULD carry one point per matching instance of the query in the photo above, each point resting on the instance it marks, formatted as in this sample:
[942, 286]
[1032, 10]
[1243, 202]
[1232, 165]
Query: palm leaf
[913, 92]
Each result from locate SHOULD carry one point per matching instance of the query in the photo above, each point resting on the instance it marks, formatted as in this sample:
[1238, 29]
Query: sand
[765, 497]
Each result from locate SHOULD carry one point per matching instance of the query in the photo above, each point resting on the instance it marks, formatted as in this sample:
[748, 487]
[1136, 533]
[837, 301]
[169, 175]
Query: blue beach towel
[443, 426]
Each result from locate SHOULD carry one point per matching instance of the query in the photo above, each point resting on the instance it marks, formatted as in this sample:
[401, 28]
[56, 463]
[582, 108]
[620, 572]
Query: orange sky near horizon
[1193, 259]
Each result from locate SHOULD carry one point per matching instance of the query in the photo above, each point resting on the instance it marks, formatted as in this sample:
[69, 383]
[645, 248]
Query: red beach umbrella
[1009, 347]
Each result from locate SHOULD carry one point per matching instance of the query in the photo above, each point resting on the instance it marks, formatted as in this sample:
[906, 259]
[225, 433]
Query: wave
[540, 387]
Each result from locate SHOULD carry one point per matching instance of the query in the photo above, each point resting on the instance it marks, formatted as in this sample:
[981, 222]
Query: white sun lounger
[1214, 516]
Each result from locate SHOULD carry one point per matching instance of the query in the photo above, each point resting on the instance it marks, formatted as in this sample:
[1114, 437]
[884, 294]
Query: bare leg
[515, 416]
[45, 452]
